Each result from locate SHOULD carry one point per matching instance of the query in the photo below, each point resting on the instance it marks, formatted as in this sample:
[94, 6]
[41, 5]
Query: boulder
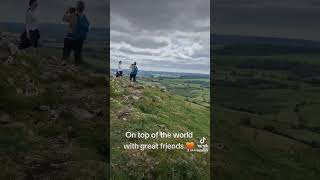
[157, 99]
[44, 108]
[54, 58]
[135, 97]
[9, 61]
[81, 114]
[13, 49]
[54, 115]
[163, 89]
[161, 126]
[8, 46]
[4, 119]
[140, 87]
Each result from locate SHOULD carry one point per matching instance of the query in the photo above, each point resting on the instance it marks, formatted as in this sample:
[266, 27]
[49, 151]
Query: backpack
[82, 28]
[135, 70]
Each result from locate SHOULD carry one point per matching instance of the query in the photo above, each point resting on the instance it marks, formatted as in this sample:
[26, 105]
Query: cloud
[280, 18]
[166, 35]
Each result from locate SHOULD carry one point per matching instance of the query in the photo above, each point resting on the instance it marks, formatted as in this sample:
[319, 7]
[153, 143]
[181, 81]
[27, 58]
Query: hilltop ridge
[51, 116]
[144, 107]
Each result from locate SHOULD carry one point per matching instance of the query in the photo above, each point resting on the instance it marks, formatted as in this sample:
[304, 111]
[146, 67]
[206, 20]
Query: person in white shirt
[119, 71]
[31, 35]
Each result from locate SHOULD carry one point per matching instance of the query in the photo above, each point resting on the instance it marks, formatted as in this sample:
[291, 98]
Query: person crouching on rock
[31, 35]
[134, 72]
[119, 71]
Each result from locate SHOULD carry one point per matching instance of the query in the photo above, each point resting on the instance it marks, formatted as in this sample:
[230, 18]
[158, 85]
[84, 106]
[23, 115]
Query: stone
[157, 98]
[44, 108]
[125, 98]
[140, 87]
[13, 49]
[9, 61]
[163, 89]
[4, 119]
[161, 126]
[53, 58]
[81, 114]
[98, 112]
[136, 91]
[135, 97]
[8, 46]
[54, 115]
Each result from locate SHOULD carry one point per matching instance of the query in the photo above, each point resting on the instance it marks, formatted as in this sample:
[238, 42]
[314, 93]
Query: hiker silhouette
[134, 72]
[119, 70]
[77, 34]
[31, 34]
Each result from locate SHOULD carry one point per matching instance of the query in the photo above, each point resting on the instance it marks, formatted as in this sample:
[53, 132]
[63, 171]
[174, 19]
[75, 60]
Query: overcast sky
[277, 18]
[161, 35]
[51, 11]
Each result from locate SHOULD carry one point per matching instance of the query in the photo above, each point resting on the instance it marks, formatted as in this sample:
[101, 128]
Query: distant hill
[164, 74]
[54, 31]
[255, 46]
[238, 39]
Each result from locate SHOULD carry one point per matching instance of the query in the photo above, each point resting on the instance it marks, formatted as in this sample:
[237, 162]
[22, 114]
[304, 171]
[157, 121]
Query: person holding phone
[69, 17]
[80, 27]
[134, 72]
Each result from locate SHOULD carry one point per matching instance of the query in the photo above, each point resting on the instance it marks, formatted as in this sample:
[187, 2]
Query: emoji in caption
[189, 145]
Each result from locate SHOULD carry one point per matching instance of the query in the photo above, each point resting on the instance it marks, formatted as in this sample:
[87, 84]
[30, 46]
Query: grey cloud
[281, 18]
[166, 35]
[140, 42]
[161, 15]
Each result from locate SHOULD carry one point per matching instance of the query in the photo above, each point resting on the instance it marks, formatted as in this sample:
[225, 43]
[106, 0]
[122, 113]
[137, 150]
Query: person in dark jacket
[79, 27]
[134, 72]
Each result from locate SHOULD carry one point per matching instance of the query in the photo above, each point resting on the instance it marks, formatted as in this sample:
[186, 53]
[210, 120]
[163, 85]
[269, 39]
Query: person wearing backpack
[76, 39]
[71, 18]
[134, 72]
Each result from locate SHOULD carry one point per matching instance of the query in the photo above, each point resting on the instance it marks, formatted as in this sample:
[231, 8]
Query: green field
[194, 89]
[266, 116]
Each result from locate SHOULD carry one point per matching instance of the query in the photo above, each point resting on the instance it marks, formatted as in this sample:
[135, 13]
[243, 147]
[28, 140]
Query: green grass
[266, 117]
[32, 146]
[195, 90]
[149, 114]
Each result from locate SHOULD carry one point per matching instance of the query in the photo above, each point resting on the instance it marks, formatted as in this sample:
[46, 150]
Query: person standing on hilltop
[119, 71]
[134, 72]
[79, 28]
[70, 17]
[31, 35]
